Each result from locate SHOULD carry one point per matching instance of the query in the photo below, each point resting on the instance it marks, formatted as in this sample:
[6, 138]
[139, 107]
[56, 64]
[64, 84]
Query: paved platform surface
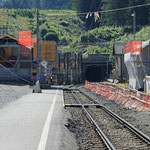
[34, 122]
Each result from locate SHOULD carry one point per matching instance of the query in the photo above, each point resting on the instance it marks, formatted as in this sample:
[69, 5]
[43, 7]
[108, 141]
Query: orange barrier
[133, 92]
[102, 89]
[148, 100]
[105, 92]
[128, 97]
[133, 47]
[114, 94]
[125, 98]
[109, 89]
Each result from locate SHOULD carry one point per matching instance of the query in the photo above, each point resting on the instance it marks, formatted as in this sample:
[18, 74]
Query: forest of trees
[43, 4]
[122, 18]
[117, 18]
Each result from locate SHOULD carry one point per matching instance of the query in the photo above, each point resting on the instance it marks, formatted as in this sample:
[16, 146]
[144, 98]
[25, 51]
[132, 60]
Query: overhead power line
[103, 11]
[118, 9]
[93, 20]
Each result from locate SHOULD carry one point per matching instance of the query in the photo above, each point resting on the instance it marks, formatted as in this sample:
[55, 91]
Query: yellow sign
[47, 51]
[34, 71]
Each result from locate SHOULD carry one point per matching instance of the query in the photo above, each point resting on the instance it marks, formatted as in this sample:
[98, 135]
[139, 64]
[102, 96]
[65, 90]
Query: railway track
[113, 130]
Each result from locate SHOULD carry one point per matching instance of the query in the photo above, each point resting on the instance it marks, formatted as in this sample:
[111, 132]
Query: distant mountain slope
[43, 4]
[70, 32]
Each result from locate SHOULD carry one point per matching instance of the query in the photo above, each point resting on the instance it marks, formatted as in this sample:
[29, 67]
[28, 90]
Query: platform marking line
[44, 137]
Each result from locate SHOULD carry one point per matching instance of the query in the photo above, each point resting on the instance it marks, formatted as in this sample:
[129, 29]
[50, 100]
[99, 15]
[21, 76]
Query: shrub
[43, 32]
[92, 38]
[84, 38]
[64, 23]
[51, 37]
[42, 21]
[24, 13]
[64, 41]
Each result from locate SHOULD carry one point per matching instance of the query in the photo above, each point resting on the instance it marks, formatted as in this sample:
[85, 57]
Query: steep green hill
[53, 26]
[69, 31]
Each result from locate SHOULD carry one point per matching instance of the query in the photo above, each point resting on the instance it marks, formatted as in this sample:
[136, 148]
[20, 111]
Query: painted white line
[44, 137]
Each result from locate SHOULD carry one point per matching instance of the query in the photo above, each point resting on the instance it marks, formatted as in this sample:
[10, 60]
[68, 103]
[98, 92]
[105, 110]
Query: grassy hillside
[69, 31]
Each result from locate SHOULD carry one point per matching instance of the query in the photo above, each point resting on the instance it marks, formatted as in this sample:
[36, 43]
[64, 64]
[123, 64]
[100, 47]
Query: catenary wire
[102, 11]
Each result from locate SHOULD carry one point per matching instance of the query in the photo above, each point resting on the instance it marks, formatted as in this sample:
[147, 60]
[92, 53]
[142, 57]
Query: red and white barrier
[128, 97]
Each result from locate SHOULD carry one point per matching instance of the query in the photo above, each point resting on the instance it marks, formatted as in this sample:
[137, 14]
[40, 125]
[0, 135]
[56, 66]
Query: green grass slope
[69, 31]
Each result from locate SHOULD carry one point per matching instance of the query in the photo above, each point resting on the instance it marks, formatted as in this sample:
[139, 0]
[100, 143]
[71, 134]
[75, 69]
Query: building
[15, 59]
[47, 56]
[120, 68]
[69, 68]
[18, 58]
[137, 61]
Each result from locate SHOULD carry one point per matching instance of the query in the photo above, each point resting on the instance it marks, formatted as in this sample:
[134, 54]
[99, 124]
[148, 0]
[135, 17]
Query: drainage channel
[115, 129]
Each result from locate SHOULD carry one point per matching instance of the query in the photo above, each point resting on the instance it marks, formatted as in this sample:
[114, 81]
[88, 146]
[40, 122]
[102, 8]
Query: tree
[118, 18]
[142, 13]
[85, 6]
[76, 5]
[51, 37]
[44, 4]
[124, 17]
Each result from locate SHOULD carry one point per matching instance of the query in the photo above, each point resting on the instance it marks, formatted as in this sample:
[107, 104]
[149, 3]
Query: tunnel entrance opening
[96, 73]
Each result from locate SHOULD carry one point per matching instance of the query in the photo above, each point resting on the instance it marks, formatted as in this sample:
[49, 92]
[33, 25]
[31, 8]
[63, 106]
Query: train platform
[34, 122]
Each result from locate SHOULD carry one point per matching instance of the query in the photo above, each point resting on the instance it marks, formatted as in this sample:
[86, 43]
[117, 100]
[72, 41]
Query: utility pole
[95, 9]
[6, 16]
[107, 65]
[122, 62]
[38, 54]
[134, 21]
[71, 68]
[134, 24]
[37, 87]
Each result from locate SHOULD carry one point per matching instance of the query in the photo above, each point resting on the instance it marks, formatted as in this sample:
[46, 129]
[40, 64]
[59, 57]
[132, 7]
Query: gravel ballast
[140, 120]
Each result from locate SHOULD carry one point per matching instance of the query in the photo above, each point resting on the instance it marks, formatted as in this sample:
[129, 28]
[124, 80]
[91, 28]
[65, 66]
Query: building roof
[8, 36]
[118, 48]
[145, 44]
[8, 40]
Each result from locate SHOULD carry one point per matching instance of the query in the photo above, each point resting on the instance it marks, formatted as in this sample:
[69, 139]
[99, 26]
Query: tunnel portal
[96, 73]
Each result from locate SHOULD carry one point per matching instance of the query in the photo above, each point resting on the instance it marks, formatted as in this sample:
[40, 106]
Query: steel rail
[98, 129]
[121, 120]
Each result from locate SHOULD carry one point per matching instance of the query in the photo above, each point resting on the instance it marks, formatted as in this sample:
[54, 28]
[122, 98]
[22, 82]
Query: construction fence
[25, 42]
[127, 97]
[134, 64]
[137, 61]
